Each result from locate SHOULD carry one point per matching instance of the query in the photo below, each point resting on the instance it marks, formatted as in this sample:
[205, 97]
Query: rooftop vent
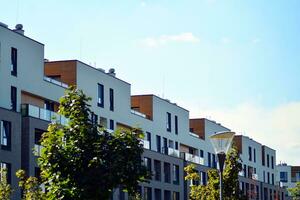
[3, 25]
[19, 29]
[111, 72]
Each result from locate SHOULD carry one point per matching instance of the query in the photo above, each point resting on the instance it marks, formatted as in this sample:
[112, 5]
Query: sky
[236, 62]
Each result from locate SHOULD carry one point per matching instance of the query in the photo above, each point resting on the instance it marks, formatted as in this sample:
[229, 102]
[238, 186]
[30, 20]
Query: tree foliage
[5, 188]
[31, 187]
[295, 192]
[83, 161]
[211, 191]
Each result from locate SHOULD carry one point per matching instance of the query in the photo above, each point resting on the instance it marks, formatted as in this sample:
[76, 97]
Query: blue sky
[212, 57]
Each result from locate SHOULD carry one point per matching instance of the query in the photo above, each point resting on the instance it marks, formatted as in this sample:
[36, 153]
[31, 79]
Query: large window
[147, 193]
[7, 168]
[158, 143]
[176, 124]
[13, 98]
[111, 99]
[208, 159]
[14, 61]
[157, 194]
[167, 195]
[175, 174]
[157, 170]
[148, 138]
[167, 172]
[100, 101]
[169, 122]
[283, 177]
[5, 135]
[175, 195]
[147, 163]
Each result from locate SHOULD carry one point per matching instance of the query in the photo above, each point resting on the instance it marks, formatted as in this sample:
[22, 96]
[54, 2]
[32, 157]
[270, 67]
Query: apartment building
[287, 176]
[30, 88]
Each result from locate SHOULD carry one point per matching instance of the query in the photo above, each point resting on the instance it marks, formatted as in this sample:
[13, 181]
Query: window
[272, 179]
[214, 162]
[201, 153]
[14, 61]
[175, 174]
[147, 193]
[264, 175]
[38, 136]
[167, 195]
[157, 170]
[148, 138]
[175, 195]
[268, 160]
[147, 163]
[245, 170]
[168, 122]
[5, 135]
[203, 178]
[176, 124]
[167, 173]
[94, 118]
[208, 159]
[13, 98]
[103, 122]
[111, 99]
[283, 177]
[268, 175]
[171, 144]
[250, 153]
[7, 168]
[157, 194]
[257, 192]
[176, 145]
[165, 145]
[158, 143]
[254, 154]
[272, 162]
[111, 124]
[100, 95]
[247, 190]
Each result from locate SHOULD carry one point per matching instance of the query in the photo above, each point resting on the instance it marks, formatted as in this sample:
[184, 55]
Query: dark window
[157, 194]
[147, 193]
[250, 153]
[257, 192]
[203, 178]
[272, 179]
[175, 195]
[283, 177]
[272, 162]
[254, 154]
[38, 136]
[157, 170]
[37, 172]
[201, 153]
[158, 144]
[167, 172]
[265, 193]
[264, 174]
[147, 163]
[175, 174]
[111, 124]
[209, 159]
[13, 98]
[100, 101]
[49, 105]
[165, 145]
[169, 122]
[5, 135]
[176, 124]
[111, 99]
[176, 145]
[167, 195]
[94, 119]
[121, 194]
[268, 160]
[247, 190]
[271, 197]
[7, 168]
[14, 61]
[148, 138]
[214, 162]
[245, 171]
[268, 177]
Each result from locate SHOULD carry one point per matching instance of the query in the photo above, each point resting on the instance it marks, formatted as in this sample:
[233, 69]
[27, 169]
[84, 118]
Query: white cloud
[164, 39]
[278, 128]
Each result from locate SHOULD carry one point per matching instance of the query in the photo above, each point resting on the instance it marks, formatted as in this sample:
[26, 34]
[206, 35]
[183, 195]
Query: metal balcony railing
[193, 158]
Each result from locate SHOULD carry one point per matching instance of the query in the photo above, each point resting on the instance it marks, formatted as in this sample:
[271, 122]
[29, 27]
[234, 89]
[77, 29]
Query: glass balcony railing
[254, 176]
[41, 113]
[193, 158]
[146, 144]
[138, 113]
[56, 82]
[173, 152]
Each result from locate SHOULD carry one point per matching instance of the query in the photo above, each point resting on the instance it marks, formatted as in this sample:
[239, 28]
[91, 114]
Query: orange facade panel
[143, 104]
[238, 143]
[197, 126]
[63, 71]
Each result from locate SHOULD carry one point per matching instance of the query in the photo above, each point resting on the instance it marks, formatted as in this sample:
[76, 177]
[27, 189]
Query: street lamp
[221, 142]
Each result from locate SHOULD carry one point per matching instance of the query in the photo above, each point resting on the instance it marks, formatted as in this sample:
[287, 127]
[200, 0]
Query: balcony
[193, 158]
[241, 173]
[173, 152]
[41, 113]
[138, 113]
[146, 144]
[193, 134]
[56, 82]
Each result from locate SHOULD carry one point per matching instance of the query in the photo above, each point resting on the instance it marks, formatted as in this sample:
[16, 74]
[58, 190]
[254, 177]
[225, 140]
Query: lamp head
[221, 141]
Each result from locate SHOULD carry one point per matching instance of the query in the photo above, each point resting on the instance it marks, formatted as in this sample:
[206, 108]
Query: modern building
[30, 88]
[287, 176]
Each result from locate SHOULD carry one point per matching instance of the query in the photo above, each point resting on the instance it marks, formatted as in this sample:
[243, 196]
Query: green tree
[211, 191]
[5, 188]
[83, 161]
[295, 192]
[31, 187]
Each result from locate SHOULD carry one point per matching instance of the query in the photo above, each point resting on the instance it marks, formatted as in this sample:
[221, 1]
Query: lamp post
[221, 142]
